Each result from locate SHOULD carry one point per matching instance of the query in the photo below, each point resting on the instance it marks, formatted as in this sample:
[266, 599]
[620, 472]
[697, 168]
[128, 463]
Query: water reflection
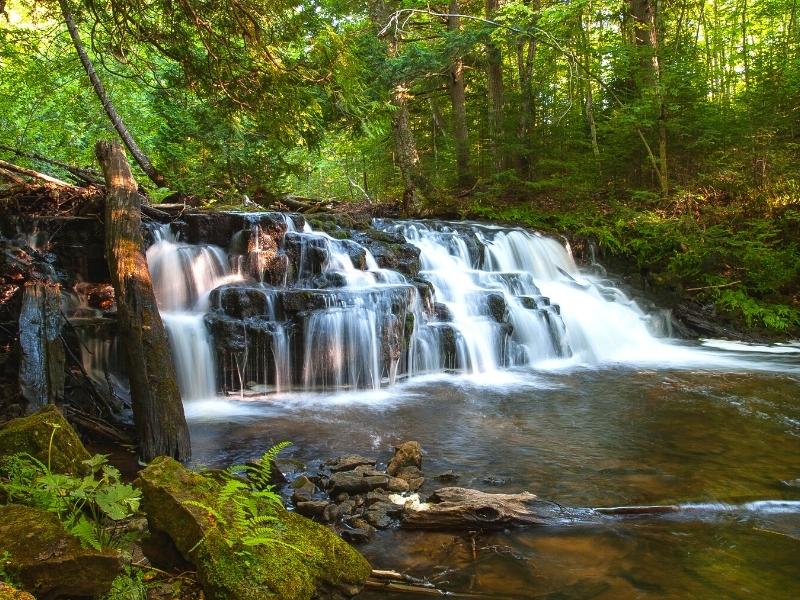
[580, 437]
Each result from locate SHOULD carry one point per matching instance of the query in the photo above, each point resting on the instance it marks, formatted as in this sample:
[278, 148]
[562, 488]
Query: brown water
[581, 437]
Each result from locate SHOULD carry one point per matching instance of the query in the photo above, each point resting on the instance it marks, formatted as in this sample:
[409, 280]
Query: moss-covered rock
[48, 561]
[9, 593]
[311, 561]
[32, 434]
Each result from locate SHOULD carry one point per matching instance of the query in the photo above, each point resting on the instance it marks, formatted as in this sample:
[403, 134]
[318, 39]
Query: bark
[31, 173]
[41, 371]
[125, 135]
[646, 15]
[157, 408]
[457, 90]
[415, 184]
[496, 95]
[526, 54]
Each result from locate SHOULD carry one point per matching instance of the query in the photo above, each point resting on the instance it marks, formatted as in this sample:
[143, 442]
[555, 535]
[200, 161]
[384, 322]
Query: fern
[88, 506]
[241, 510]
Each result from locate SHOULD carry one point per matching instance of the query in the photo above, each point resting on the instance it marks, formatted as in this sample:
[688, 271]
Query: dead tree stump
[157, 407]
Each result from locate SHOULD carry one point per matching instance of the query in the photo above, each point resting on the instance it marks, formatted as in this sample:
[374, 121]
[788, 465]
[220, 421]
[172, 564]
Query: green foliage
[5, 561]
[90, 506]
[243, 510]
[130, 585]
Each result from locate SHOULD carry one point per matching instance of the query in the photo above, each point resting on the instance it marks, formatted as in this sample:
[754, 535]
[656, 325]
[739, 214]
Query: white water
[502, 298]
[183, 276]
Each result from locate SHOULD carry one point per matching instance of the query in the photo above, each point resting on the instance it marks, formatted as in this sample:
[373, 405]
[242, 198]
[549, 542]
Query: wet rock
[346, 508]
[241, 301]
[327, 280]
[441, 312]
[355, 483]
[413, 476]
[397, 485]
[32, 435]
[449, 476]
[349, 462]
[407, 454]
[313, 509]
[382, 514]
[304, 489]
[48, 561]
[496, 307]
[425, 291]
[306, 254]
[493, 480]
[358, 534]
[375, 497]
[322, 566]
[331, 513]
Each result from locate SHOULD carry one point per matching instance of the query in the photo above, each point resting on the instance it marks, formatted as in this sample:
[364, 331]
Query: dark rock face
[48, 561]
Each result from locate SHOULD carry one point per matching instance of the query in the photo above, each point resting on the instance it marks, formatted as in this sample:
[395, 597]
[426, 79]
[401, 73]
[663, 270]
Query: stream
[522, 373]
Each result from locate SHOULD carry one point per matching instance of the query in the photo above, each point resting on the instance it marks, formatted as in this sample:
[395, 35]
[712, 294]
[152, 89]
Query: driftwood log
[157, 408]
[463, 508]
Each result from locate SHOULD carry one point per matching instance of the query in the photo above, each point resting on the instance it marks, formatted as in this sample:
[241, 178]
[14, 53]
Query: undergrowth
[90, 507]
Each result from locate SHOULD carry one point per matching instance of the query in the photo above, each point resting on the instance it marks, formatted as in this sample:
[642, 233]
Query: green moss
[9, 593]
[310, 556]
[32, 434]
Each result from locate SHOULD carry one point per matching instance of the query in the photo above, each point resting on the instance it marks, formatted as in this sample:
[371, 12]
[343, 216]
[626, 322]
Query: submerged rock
[309, 561]
[33, 435]
[48, 561]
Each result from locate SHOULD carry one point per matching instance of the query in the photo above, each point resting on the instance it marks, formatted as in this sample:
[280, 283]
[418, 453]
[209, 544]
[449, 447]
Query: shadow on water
[582, 437]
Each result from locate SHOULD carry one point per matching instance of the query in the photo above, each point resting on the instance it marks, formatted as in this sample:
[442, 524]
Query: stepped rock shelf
[255, 303]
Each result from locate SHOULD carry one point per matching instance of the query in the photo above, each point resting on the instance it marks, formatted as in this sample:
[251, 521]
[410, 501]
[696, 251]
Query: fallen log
[155, 397]
[463, 508]
[31, 173]
[85, 175]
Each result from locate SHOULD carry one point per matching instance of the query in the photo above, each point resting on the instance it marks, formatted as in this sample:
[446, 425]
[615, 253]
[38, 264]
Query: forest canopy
[669, 131]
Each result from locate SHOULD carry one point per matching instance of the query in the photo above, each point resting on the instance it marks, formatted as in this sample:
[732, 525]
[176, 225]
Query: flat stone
[313, 509]
[349, 462]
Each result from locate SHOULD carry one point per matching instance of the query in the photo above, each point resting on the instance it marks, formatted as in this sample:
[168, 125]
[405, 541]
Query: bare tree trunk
[496, 94]
[526, 53]
[414, 180]
[157, 408]
[125, 135]
[456, 87]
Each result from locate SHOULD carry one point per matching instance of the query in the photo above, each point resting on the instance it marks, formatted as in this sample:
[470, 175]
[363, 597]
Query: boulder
[407, 454]
[48, 561]
[310, 562]
[32, 434]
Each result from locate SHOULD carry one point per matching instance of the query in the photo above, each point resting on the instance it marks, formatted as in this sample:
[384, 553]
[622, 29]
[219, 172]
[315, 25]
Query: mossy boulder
[310, 562]
[32, 435]
[9, 593]
[50, 562]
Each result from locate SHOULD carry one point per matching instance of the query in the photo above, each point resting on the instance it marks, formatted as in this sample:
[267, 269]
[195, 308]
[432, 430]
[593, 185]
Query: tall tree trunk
[157, 408]
[456, 87]
[415, 183]
[586, 34]
[125, 135]
[496, 95]
[526, 54]
[646, 14]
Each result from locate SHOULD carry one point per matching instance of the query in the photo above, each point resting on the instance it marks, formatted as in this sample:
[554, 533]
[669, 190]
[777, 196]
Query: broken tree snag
[463, 508]
[41, 369]
[157, 407]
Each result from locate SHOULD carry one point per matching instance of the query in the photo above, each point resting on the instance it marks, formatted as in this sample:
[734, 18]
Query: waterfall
[312, 311]
[183, 276]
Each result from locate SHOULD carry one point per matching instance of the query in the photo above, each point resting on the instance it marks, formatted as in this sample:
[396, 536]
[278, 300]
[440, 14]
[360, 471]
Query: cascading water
[183, 276]
[305, 310]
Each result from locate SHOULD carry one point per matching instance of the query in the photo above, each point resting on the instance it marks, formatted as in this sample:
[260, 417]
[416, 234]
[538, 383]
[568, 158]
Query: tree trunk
[125, 135]
[414, 180]
[456, 87]
[157, 408]
[494, 78]
[41, 370]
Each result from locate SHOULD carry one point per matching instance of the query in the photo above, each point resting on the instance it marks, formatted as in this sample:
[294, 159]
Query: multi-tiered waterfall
[262, 302]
